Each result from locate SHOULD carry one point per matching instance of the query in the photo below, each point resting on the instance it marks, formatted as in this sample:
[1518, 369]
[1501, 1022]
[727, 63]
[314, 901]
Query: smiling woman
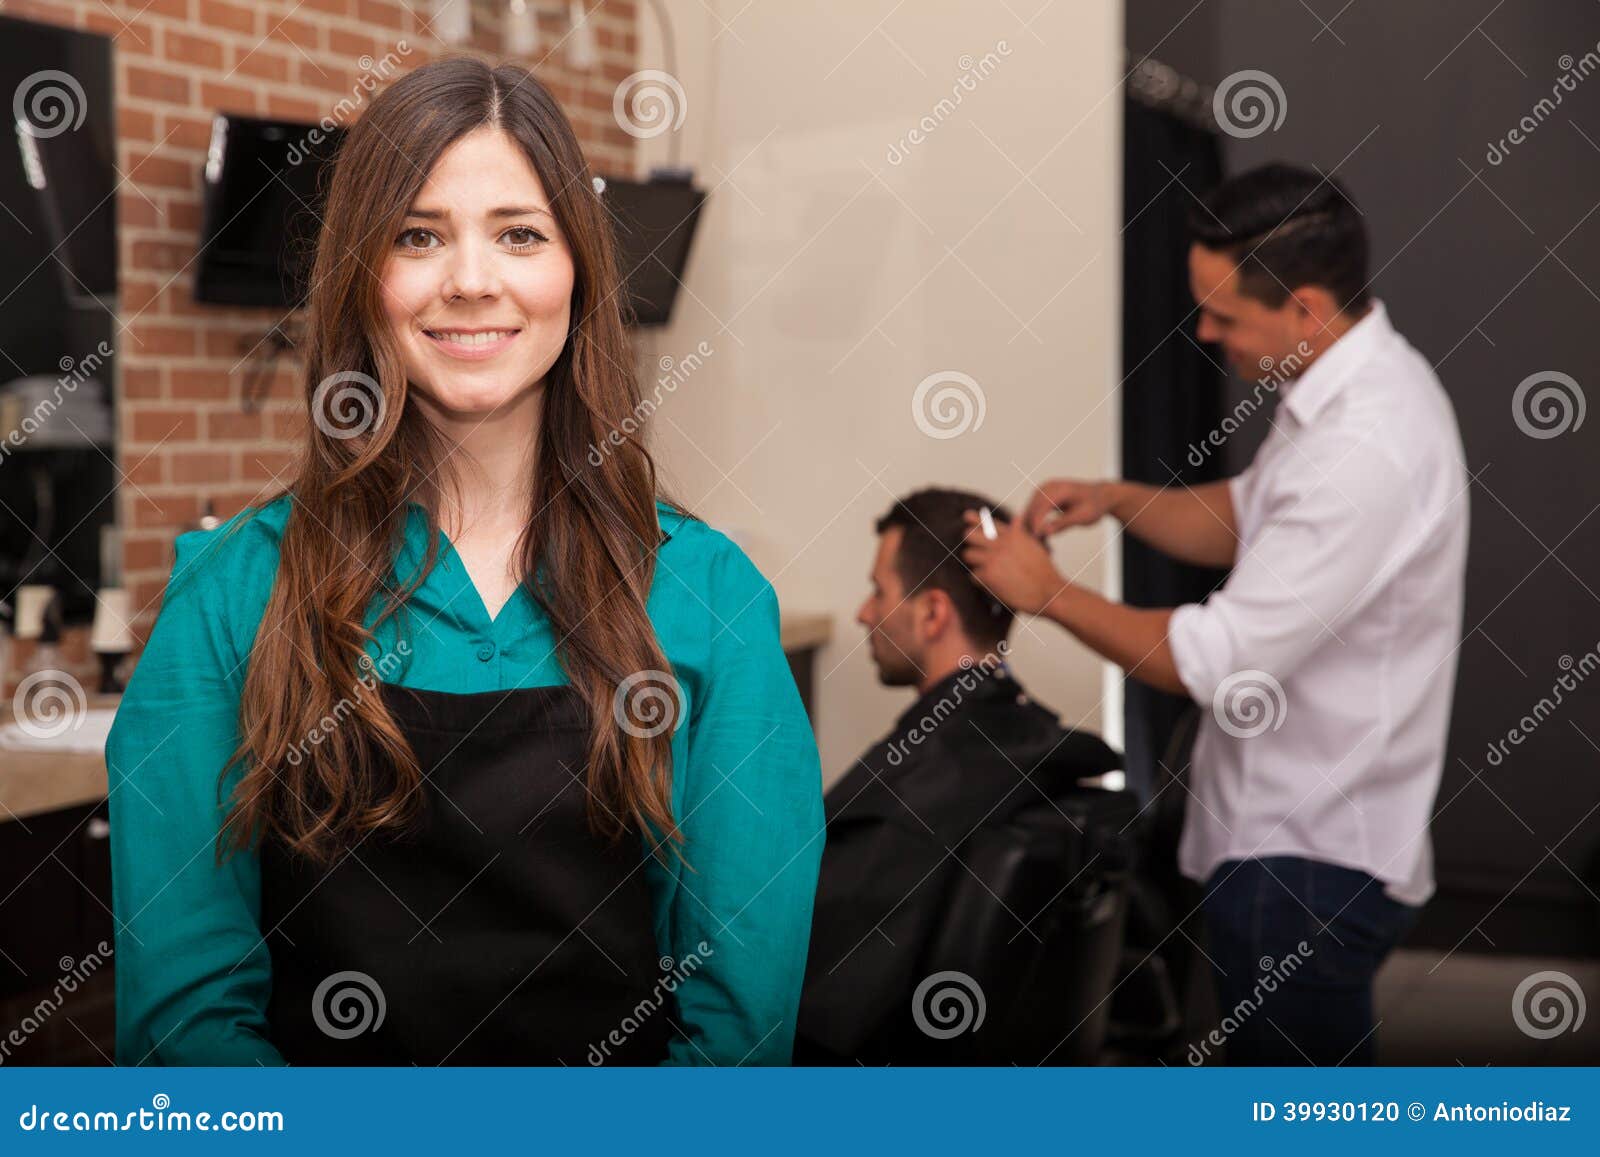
[460, 710]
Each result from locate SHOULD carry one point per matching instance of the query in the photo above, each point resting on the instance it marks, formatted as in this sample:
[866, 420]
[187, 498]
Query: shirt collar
[1306, 395]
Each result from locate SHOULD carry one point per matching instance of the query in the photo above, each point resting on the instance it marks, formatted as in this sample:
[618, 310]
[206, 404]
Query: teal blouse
[193, 971]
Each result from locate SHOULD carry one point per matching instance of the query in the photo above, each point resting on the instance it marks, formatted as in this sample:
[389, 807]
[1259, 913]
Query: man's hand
[1014, 566]
[1064, 502]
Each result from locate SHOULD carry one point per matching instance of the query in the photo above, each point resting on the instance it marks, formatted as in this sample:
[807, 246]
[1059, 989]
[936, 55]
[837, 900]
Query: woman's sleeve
[753, 821]
[192, 971]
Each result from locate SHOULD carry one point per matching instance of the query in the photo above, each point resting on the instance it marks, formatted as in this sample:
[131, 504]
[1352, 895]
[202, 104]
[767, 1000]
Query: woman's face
[479, 253]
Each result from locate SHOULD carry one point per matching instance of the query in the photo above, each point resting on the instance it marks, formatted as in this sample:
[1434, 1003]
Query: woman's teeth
[471, 338]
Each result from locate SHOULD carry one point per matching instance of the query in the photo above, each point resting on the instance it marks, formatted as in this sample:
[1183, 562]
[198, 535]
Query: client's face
[1254, 337]
[887, 615]
[478, 285]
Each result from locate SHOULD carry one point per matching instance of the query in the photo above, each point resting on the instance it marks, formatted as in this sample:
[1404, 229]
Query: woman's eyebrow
[500, 211]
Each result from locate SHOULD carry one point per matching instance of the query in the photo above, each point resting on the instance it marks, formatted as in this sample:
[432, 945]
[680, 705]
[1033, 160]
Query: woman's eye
[523, 237]
[401, 240]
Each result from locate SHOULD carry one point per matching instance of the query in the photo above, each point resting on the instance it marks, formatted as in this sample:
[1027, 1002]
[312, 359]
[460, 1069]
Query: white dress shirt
[1325, 665]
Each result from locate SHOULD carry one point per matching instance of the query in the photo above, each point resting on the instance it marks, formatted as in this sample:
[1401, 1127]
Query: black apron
[496, 930]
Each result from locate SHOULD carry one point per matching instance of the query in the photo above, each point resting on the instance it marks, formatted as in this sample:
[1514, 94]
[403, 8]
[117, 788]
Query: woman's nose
[472, 272]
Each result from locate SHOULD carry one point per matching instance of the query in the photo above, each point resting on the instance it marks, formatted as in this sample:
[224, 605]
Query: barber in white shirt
[1327, 661]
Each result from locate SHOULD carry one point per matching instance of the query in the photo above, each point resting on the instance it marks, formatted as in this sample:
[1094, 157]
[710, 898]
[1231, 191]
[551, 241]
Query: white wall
[829, 279]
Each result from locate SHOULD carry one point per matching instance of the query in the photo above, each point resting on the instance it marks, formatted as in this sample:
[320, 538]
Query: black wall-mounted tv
[655, 222]
[261, 209]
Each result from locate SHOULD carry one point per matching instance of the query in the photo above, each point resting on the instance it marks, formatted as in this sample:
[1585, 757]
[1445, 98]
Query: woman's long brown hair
[586, 556]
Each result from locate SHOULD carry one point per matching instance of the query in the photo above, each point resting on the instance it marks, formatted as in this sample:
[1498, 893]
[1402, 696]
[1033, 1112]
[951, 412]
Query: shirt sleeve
[752, 818]
[1328, 539]
[192, 971]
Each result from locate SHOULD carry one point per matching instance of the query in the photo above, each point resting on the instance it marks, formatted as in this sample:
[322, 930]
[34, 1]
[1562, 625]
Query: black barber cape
[971, 751]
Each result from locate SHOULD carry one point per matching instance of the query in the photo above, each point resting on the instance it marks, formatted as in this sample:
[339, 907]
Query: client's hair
[930, 557]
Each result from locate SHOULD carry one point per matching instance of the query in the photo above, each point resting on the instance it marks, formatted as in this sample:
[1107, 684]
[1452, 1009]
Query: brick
[150, 425]
[138, 294]
[145, 552]
[163, 171]
[354, 45]
[200, 466]
[265, 465]
[146, 470]
[184, 216]
[260, 60]
[324, 77]
[234, 426]
[163, 255]
[185, 132]
[199, 51]
[215, 97]
[201, 385]
[175, 9]
[141, 383]
[293, 108]
[380, 12]
[149, 340]
[136, 124]
[158, 84]
[303, 34]
[230, 17]
[134, 209]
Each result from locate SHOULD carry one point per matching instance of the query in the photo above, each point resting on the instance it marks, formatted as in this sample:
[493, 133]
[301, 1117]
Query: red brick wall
[183, 437]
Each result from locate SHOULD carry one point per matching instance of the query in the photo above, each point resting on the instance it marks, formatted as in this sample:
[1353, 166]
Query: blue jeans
[1296, 944]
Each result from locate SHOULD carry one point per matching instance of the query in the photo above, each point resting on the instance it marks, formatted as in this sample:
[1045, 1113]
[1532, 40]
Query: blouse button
[486, 652]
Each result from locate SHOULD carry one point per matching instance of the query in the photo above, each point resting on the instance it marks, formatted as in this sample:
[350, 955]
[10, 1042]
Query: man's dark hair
[930, 557]
[1287, 227]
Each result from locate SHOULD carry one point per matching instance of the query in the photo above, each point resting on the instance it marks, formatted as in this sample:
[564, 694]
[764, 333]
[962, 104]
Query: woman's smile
[471, 344]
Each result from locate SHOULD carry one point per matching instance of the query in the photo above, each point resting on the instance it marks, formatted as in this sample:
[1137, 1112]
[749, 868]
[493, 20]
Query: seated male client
[971, 751]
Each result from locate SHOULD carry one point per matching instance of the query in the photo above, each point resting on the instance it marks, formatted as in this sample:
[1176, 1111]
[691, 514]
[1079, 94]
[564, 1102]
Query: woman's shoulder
[704, 557]
[234, 557]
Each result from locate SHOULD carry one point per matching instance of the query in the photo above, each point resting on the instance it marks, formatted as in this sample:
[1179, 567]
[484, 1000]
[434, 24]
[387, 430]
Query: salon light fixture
[520, 36]
[451, 20]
